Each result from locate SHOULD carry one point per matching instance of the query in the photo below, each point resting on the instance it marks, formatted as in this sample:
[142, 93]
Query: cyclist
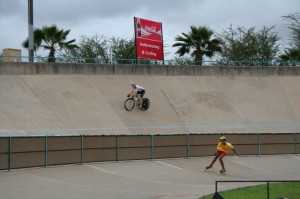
[138, 92]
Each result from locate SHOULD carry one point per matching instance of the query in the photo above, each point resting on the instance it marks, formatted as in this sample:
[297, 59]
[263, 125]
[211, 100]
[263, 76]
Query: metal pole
[117, 148]
[268, 190]
[258, 143]
[295, 144]
[187, 146]
[135, 37]
[46, 151]
[30, 30]
[152, 147]
[162, 40]
[129, 53]
[81, 154]
[9, 153]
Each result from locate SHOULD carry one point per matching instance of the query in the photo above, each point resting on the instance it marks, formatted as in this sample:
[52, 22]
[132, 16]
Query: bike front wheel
[129, 104]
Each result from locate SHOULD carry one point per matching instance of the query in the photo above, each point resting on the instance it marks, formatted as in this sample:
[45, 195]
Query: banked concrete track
[69, 102]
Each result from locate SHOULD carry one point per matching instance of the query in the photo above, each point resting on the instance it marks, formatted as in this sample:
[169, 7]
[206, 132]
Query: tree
[294, 26]
[247, 46]
[293, 53]
[97, 49]
[183, 60]
[267, 44]
[52, 39]
[198, 42]
[122, 49]
[91, 50]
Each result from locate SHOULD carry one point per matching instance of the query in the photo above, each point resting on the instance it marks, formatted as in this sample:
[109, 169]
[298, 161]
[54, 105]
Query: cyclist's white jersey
[138, 88]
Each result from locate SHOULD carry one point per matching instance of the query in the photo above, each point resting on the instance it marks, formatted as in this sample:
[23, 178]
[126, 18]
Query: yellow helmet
[223, 138]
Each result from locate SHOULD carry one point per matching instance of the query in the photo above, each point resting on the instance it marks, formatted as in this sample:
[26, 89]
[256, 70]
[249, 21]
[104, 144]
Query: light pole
[30, 30]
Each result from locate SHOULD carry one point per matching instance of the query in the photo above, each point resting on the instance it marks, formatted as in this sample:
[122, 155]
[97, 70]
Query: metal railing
[255, 181]
[220, 62]
[46, 150]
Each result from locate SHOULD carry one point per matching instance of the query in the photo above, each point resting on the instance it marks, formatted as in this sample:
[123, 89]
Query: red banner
[148, 39]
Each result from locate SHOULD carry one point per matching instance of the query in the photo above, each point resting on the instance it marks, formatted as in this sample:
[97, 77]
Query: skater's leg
[221, 161]
[213, 161]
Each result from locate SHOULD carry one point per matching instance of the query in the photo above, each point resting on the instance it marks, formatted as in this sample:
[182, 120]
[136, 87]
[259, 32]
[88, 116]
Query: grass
[290, 190]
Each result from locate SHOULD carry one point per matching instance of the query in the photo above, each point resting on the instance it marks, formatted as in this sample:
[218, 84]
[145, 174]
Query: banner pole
[134, 22]
[162, 40]
[129, 53]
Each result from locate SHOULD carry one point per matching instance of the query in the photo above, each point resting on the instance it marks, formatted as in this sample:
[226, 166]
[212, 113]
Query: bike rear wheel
[129, 104]
[145, 104]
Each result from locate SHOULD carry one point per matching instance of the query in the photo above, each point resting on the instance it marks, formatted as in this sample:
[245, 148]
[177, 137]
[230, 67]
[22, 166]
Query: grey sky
[114, 18]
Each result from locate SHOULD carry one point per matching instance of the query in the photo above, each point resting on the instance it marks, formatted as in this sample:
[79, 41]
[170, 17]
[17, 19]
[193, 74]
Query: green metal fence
[220, 62]
[43, 151]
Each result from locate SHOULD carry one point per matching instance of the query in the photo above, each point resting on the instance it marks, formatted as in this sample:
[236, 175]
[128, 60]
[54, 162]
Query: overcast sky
[114, 18]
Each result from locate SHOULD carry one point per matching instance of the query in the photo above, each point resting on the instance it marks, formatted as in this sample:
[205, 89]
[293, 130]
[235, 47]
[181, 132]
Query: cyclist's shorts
[221, 152]
[141, 93]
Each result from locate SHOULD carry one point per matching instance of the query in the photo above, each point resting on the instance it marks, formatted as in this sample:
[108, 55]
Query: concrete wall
[21, 68]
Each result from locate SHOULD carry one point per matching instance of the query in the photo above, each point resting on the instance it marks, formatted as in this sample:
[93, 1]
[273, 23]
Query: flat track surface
[151, 179]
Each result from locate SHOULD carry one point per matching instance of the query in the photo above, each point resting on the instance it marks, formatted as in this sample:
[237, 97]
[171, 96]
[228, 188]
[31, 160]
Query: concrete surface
[153, 179]
[85, 104]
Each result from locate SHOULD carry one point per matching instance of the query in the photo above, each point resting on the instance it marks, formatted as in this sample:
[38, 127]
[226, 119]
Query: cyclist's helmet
[223, 138]
[132, 84]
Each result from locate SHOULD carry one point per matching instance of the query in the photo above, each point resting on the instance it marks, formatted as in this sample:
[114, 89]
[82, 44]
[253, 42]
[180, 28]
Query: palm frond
[51, 38]
[198, 42]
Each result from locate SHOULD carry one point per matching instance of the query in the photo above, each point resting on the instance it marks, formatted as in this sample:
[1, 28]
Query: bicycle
[132, 102]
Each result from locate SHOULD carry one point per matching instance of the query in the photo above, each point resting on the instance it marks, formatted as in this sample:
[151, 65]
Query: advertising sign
[148, 39]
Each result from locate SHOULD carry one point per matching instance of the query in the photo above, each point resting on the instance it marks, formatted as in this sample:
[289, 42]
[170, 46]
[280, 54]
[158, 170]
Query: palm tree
[198, 42]
[52, 39]
[291, 55]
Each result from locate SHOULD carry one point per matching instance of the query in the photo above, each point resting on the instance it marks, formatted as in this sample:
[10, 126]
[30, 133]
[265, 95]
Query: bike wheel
[146, 104]
[129, 104]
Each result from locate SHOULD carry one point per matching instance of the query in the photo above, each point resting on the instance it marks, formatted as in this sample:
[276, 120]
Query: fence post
[152, 147]
[297, 151]
[258, 145]
[294, 137]
[295, 143]
[187, 145]
[9, 153]
[46, 151]
[81, 153]
[117, 148]
[268, 190]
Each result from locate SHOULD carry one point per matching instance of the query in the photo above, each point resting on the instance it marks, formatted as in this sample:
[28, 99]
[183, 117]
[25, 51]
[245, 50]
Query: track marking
[296, 157]
[102, 170]
[169, 165]
[53, 179]
[125, 176]
[149, 181]
[128, 191]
